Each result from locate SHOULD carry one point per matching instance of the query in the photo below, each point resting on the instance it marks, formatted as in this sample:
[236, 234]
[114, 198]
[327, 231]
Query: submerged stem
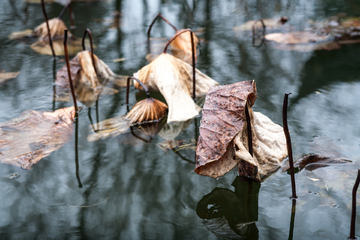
[88, 32]
[128, 88]
[288, 144]
[193, 55]
[68, 69]
[48, 28]
[253, 26]
[353, 210]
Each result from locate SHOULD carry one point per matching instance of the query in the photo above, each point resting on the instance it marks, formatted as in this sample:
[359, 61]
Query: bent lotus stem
[128, 88]
[68, 70]
[193, 54]
[48, 28]
[68, 6]
[288, 144]
[263, 25]
[353, 210]
[88, 32]
[152, 23]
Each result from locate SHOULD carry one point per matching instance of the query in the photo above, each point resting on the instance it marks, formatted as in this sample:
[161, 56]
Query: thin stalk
[288, 144]
[353, 211]
[54, 85]
[248, 124]
[193, 55]
[68, 69]
[48, 28]
[128, 88]
[152, 23]
[253, 26]
[87, 31]
[76, 150]
[292, 221]
[91, 121]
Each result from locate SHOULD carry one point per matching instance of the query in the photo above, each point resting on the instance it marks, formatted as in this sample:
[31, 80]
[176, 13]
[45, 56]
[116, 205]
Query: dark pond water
[131, 189]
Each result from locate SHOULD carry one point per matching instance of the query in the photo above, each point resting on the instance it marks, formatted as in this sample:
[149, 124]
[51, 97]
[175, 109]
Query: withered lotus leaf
[33, 135]
[270, 23]
[173, 78]
[109, 128]
[147, 110]
[43, 46]
[296, 37]
[56, 26]
[223, 142]
[181, 46]
[83, 73]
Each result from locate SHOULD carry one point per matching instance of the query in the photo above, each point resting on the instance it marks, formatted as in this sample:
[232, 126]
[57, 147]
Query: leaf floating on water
[7, 75]
[43, 47]
[176, 144]
[109, 128]
[313, 161]
[170, 75]
[28, 33]
[25, 140]
[270, 23]
[223, 141]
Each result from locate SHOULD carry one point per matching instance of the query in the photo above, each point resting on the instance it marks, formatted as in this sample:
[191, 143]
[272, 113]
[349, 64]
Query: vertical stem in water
[48, 28]
[353, 211]
[288, 144]
[292, 221]
[68, 69]
[193, 55]
[248, 124]
[76, 149]
[87, 31]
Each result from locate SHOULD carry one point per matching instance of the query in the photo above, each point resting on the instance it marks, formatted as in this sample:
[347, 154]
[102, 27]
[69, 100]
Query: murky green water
[131, 189]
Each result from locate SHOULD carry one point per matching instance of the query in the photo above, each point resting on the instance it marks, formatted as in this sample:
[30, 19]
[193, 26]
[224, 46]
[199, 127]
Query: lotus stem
[68, 69]
[193, 55]
[68, 6]
[77, 150]
[152, 23]
[263, 25]
[248, 124]
[353, 210]
[48, 28]
[288, 144]
[292, 220]
[128, 88]
[88, 32]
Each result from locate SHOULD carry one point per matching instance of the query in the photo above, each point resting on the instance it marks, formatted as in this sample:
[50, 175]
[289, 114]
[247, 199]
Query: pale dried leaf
[147, 110]
[22, 34]
[173, 78]
[43, 47]
[297, 38]
[25, 140]
[57, 28]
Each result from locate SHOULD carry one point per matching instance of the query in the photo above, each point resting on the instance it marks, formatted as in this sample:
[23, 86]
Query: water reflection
[232, 215]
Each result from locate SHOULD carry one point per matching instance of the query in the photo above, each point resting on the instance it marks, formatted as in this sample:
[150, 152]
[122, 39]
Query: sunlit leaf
[33, 135]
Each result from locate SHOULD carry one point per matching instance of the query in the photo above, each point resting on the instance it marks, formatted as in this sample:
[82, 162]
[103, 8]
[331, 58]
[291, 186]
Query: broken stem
[68, 6]
[87, 31]
[253, 26]
[193, 55]
[163, 18]
[353, 211]
[68, 70]
[48, 28]
[249, 132]
[128, 88]
[288, 144]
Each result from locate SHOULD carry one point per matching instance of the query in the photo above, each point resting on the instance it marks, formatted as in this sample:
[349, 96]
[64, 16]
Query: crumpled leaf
[147, 110]
[223, 139]
[33, 135]
[57, 28]
[173, 78]
[7, 75]
[88, 85]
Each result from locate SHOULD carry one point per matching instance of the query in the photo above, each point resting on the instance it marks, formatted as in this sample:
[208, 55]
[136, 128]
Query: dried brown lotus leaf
[223, 141]
[173, 78]
[147, 110]
[43, 47]
[33, 135]
[57, 28]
